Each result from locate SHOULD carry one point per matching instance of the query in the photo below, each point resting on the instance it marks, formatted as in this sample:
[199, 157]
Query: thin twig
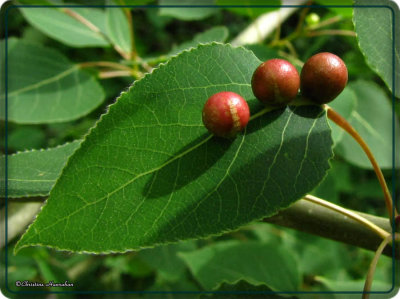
[345, 125]
[113, 74]
[291, 58]
[331, 32]
[382, 233]
[303, 14]
[104, 64]
[372, 267]
[95, 29]
[326, 22]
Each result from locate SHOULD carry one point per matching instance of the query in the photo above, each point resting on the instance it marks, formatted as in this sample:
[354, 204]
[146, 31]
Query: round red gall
[323, 77]
[225, 114]
[275, 82]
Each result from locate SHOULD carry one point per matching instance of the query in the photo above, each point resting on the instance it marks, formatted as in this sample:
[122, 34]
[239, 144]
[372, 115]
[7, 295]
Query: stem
[291, 58]
[372, 267]
[95, 29]
[104, 64]
[341, 122]
[368, 224]
[318, 220]
[302, 18]
[326, 22]
[132, 33]
[292, 50]
[113, 74]
[331, 32]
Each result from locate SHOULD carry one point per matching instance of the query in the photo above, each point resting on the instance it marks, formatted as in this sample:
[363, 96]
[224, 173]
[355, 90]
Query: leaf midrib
[43, 82]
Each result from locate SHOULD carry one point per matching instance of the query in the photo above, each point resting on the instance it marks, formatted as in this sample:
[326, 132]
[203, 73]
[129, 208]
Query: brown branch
[315, 219]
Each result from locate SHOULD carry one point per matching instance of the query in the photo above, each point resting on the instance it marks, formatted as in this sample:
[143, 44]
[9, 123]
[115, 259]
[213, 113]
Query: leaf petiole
[372, 267]
[345, 125]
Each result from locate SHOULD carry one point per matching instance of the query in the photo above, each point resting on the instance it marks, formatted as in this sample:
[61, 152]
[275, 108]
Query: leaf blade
[55, 23]
[167, 178]
[233, 261]
[33, 173]
[58, 92]
[379, 49]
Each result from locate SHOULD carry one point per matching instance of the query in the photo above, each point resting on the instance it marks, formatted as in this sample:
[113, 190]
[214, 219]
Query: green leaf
[24, 138]
[117, 27]
[354, 285]
[34, 173]
[263, 52]
[372, 118]
[57, 24]
[344, 104]
[249, 10]
[150, 173]
[232, 261]
[346, 12]
[187, 13]
[164, 258]
[374, 29]
[215, 34]
[58, 91]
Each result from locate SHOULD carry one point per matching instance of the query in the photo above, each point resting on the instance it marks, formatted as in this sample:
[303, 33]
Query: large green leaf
[372, 118]
[33, 173]
[254, 262]
[117, 27]
[44, 87]
[150, 173]
[187, 13]
[374, 28]
[57, 24]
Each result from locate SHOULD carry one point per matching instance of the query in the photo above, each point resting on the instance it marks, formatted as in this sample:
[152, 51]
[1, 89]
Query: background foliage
[54, 109]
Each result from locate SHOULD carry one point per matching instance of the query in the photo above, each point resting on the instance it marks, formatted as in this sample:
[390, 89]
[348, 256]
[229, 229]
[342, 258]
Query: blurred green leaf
[167, 178]
[346, 12]
[23, 138]
[187, 13]
[323, 257]
[51, 272]
[34, 173]
[263, 52]
[372, 118]
[374, 28]
[253, 262]
[215, 34]
[165, 260]
[134, 2]
[117, 27]
[243, 289]
[250, 10]
[344, 104]
[354, 286]
[57, 24]
[44, 87]
[128, 264]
